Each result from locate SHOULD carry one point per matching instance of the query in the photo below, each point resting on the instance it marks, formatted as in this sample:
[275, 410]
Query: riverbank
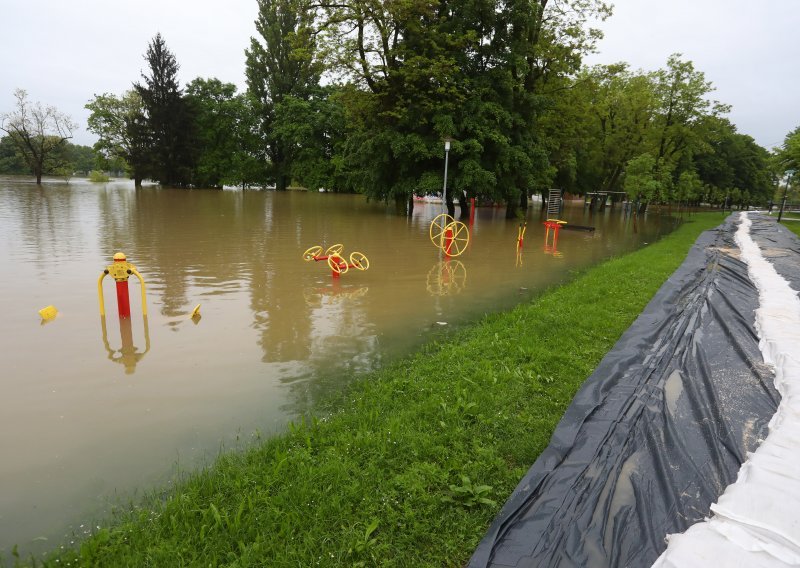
[410, 465]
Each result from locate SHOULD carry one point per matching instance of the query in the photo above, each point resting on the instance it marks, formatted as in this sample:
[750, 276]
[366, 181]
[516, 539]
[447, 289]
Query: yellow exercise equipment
[438, 226]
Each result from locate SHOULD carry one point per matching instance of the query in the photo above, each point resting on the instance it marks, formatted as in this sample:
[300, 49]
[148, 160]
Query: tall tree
[617, 109]
[683, 104]
[789, 153]
[168, 117]
[472, 71]
[283, 63]
[121, 127]
[38, 132]
[218, 112]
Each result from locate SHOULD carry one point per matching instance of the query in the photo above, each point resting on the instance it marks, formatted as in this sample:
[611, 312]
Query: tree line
[359, 96]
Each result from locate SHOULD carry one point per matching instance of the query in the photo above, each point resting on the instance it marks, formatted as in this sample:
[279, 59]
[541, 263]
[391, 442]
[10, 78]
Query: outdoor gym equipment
[521, 234]
[337, 263]
[449, 235]
[120, 271]
[315, 253]
[553, 223]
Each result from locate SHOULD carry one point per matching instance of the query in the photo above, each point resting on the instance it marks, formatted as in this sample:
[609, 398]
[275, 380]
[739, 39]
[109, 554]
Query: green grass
[408, 467]
[793, 226]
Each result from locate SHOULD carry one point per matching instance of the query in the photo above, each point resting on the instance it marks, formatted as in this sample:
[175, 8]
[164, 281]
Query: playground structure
[598, 200]
[552, 223]
[336, 262]
[449, 235]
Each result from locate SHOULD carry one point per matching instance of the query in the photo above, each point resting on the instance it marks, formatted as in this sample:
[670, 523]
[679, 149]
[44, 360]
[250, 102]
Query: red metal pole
[448, 240]
[471, 211]
[123, 300]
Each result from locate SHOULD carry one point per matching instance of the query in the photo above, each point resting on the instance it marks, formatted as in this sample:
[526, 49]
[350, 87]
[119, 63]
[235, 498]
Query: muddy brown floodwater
[94, 411]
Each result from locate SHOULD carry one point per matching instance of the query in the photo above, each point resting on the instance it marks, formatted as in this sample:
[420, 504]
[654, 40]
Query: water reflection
[446, 277]
[128, 354]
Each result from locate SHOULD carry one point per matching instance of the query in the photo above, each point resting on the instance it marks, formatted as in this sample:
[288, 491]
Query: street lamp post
[785, 191]
[444, 188]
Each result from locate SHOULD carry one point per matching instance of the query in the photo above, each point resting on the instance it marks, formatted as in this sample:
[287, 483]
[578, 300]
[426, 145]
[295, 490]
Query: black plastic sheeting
[660, 428]
[779, 246]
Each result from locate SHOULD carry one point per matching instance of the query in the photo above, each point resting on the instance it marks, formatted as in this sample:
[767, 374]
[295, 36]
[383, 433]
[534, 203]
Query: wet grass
[408, 467]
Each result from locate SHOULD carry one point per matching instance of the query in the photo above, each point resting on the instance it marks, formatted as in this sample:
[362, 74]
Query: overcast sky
[64, 52]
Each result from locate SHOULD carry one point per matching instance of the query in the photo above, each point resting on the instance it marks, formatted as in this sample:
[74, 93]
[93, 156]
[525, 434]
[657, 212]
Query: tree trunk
[281, 183]
[451, 207]
[410, 211]
[523, 201]
[511, 209]
[400, 207]
[137, 180]
[463, 204]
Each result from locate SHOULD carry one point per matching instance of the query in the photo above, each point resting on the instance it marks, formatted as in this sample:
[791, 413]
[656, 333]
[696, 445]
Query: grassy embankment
[410, 466]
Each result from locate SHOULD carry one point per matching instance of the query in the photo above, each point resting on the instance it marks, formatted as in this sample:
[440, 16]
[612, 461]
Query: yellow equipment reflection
[128, 355]
[314, 296]
[446, 277]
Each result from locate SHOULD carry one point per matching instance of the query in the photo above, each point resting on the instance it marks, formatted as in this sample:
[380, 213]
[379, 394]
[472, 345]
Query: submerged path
[663, 426]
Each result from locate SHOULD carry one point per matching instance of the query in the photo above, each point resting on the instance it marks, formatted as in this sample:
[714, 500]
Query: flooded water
[95, 409]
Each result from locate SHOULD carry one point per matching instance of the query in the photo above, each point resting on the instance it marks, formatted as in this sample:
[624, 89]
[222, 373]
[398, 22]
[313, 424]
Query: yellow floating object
[48, 313]
[196, 311]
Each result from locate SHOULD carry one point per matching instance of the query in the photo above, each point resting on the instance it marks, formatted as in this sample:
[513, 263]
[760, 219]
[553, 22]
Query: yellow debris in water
[48, 313]
[196, 311]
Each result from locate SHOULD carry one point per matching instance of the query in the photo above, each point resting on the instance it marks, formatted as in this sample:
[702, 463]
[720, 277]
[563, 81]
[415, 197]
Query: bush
[98, 176]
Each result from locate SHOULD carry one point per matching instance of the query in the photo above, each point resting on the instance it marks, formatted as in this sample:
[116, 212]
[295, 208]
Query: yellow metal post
[100, 294]
[141, 281]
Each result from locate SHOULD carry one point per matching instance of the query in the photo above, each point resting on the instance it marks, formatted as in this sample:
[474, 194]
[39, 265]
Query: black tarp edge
[659, 429]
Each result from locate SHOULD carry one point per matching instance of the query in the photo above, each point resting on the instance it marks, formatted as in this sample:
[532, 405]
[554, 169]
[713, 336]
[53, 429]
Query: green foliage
[468, 494]
[11, 160]
[98, 176]
[169, 125]
[123, 136]
[222, 123]
[787, 163]
[369, 481]
[283, 66]
[39, 134]
[789, 154]
[474, 72]
[641, 179]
